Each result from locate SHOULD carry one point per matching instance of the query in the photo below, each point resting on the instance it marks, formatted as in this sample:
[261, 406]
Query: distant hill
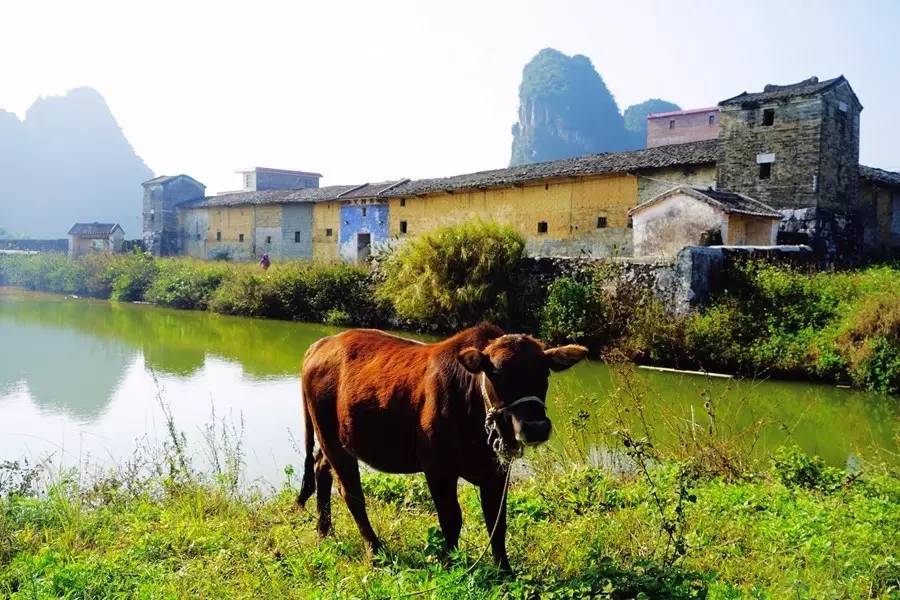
[636, 118]
[68, 161]
[565, 109]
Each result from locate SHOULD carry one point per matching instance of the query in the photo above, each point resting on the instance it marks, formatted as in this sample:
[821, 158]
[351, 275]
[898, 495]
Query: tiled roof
[164, 179]
[93, 229]
[730, 202]
[594, 164]
[777, 92]
[889, 178]
[693, 153]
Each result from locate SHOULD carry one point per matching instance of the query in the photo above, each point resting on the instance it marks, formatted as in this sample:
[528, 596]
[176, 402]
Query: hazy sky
[365, 91]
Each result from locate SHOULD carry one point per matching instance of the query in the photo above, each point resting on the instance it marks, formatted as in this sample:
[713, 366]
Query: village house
[688, 216]
[94, 238]
[792, 150]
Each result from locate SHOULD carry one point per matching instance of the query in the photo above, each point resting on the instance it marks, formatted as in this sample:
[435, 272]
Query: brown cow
[402, 406]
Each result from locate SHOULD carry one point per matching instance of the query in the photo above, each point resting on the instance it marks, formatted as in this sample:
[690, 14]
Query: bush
[131, 275]
[569, 310]
[794, 468]
[454, 277]
[185, 283]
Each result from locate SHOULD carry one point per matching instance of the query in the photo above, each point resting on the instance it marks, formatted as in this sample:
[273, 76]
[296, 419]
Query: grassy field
[156, 528]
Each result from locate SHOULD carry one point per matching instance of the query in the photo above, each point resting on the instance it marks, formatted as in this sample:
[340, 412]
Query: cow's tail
[308, 486]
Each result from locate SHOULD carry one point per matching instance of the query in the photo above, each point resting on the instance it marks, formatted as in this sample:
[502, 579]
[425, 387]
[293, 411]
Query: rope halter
[505, 453]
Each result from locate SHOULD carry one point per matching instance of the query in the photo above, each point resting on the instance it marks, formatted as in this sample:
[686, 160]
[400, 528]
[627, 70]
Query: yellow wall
[231, 221]
[268, 215]
[570, 208]
[326, 215]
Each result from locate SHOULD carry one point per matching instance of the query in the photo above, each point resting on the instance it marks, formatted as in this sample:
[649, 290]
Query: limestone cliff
[565, 109]
[68, 161]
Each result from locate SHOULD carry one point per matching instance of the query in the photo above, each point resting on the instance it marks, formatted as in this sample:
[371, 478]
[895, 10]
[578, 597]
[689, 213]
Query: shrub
[794, 468]
[185, 283]
[568, 311]
[455, 276]
[131, 275]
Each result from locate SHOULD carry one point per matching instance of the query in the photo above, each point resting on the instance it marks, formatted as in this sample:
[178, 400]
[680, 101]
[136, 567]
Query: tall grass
[453, 277]
[160, 526]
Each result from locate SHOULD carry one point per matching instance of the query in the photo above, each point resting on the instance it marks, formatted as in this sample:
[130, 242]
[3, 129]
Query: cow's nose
[535, 432]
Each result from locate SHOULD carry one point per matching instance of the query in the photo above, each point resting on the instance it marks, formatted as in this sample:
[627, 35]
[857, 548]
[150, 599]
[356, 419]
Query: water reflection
[79, 374]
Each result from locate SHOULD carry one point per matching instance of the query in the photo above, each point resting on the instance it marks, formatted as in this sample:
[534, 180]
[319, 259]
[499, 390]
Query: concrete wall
[297, 218]
[664, 228]
[679, 129]
[59, 245]
[653, 182]
[356, 219]
[265, 180]
[570, 208]
[747, 230]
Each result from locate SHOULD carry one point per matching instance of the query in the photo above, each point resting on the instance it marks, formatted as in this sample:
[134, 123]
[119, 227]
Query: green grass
[574, 533]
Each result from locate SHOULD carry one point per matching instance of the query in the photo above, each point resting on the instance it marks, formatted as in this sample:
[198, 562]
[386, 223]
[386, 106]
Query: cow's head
[514, 371]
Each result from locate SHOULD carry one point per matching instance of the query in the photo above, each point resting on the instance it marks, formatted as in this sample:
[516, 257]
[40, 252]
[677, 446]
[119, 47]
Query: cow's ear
[563, 357]
[473, 359]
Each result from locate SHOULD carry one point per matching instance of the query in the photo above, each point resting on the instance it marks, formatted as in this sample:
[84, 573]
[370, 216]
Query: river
[84, 381]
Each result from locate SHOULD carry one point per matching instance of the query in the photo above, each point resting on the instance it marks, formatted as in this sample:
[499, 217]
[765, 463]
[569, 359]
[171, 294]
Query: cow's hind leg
[323, 493]
[346, 468]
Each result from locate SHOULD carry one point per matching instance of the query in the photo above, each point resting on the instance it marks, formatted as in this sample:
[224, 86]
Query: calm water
[81, 380]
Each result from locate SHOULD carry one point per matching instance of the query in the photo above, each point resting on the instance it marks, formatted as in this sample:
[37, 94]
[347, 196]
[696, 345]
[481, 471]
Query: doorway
[363, 246]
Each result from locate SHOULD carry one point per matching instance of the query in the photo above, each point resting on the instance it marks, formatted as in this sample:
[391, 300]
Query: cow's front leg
[493, 505]
[443, 492]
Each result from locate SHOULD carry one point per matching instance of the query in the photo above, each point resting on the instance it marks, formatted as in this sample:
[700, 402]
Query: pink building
[681, 126]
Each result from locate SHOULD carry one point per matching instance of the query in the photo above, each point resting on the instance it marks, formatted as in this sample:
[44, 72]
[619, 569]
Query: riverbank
[768, 321]
[796, 530]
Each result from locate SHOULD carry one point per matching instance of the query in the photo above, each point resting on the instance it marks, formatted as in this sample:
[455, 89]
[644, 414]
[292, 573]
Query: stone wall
[60, 245]
[684, 284]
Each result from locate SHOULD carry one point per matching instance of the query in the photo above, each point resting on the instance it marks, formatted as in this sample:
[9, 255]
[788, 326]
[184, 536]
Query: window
[364, 211]
[601, 222]
[630, 223]
[402, 201]
[328, 232]
[268, 239]
[712, 119]
[198, 237]
[402, 226]
[765, 170]
[671, 123]
[542, 227]
[218, 236]
[296, 237]
[240, 237]
[768, 116]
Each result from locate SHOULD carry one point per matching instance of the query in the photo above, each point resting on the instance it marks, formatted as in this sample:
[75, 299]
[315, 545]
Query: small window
[218, 236]
[630, 223]
[601, 222]
[768, 117]
[240, 237]
[765, 170]
[542, 227]
[712, 119]
[671, 123]
[152, 216]
[402, 201]
[268, 239]
[198, 237]
[328, 232]
[364, 211]
[402, 226]
[296, 237]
